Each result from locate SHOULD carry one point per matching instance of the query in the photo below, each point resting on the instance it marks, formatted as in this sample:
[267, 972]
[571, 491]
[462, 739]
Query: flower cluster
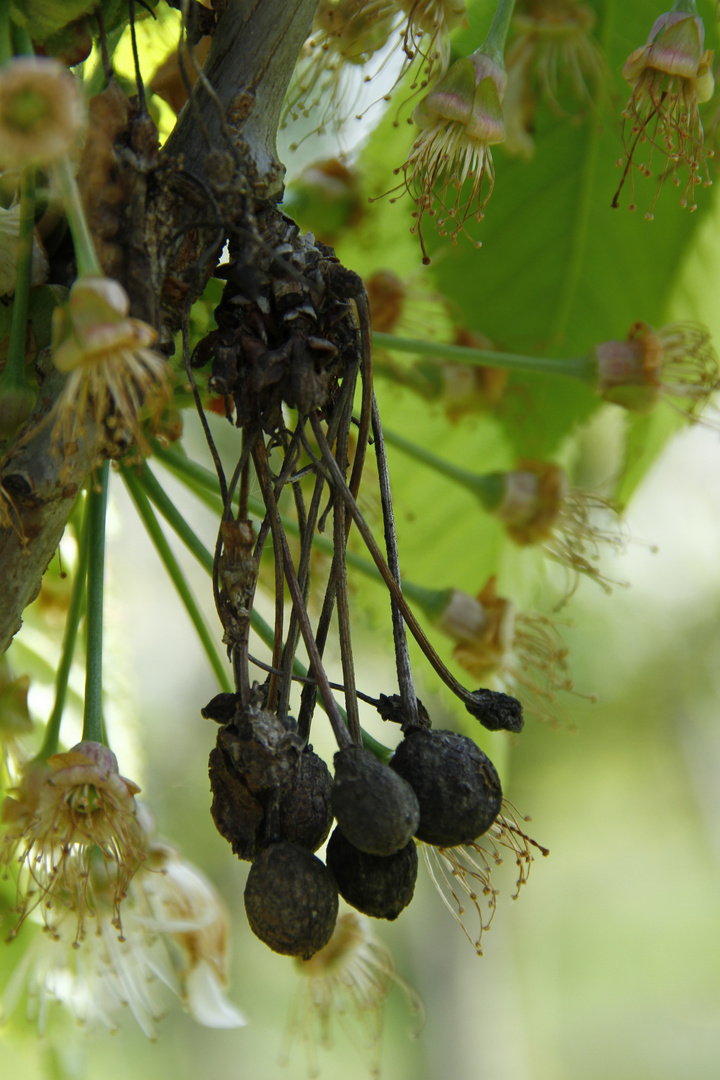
[175, 936]
[348, 34]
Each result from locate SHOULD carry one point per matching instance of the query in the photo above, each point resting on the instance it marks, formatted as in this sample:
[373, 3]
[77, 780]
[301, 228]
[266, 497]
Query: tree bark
[255, 47]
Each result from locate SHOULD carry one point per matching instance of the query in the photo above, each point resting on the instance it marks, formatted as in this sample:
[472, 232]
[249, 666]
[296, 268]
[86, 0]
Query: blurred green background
[609, 962]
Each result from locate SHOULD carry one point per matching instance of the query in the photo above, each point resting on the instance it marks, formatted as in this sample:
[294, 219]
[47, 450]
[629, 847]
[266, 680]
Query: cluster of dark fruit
[274, 801]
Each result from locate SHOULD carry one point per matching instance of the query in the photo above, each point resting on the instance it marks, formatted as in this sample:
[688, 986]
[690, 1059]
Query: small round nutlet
[377, 885]
[376, 809]
[291, 900]
[457, 786]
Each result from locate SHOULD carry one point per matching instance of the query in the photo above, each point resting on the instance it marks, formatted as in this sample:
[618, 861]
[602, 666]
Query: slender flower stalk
[677, 363]
[72, 621]
[178, 578]
[88, 263]
[16, 395]
[96, 509]
[536, 506]
[577, 367]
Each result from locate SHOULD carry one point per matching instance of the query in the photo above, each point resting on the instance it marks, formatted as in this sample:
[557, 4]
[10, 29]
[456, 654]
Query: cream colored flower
[348, 981]
[552, 56]
[42, 112]
[351, 36]
[537, 506]
[174, 937]
[61, 816]
[111, 366]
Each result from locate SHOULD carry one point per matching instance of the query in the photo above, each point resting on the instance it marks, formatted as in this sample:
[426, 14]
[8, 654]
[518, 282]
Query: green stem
[494, 44]
[577, 367]
[18, 397]
[688, 6]
[72, 622]
[6, 49]
[97, 505]
[176, 575]
[432, 601]
[22, 41]
[489, 487]
[201, 476]
[167, 508]
[85, 254]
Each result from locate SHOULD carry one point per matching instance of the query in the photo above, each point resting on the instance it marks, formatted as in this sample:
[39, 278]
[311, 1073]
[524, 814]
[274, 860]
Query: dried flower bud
[375, 808]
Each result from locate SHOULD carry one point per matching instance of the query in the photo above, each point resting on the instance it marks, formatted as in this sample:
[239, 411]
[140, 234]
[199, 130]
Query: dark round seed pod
[305, 807]
[237, 814]
[267, 786]
[377, 811]
[457, 786]
[377, 885]
[291, 900]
